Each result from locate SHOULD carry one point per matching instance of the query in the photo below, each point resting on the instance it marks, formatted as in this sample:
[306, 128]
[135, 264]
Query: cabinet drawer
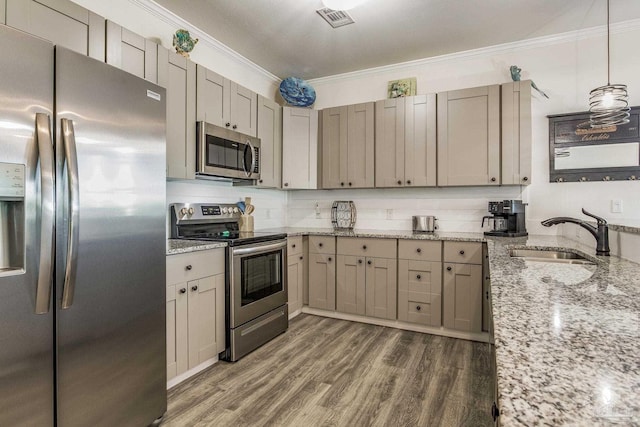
[322, 244]
[194, 265]
[420, 250]
[422, 312]
[463, 252]
[294, 245]
[380, 248]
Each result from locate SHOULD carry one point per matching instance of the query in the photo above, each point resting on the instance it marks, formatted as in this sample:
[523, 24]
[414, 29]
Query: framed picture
[402, 87]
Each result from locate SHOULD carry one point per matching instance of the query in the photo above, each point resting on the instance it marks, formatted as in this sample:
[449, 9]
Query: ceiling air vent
[335, 18]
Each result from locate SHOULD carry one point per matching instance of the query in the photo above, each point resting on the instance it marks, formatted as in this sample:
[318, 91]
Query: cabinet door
[381, 288]
[177, 330]
[462, 297]
[299, 148]
[131, 52]
[420, 292]
[270, 134]
[178, 75]
[389, 137]
[213, 98]
[420, 141]
[3, 9]
[334, 147]
[244, 109]
[360, 148]
[60, 21]
[206, 319]
[350, 284]
[516, 132]
[469, 136]
[322, 281]
[295, 280]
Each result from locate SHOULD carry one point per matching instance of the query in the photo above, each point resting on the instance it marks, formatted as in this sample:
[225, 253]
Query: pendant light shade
[609, 104]
[342, 4]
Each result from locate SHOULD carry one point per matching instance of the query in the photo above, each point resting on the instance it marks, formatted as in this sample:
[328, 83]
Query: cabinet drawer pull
[418, 250]
[418, 308]
[320, 244]
[359, 261]
[399, 182]
[364, 247]
[462, 252]
[293, 245]
[369, 262]
[349, 184]
[194, 288]
[301, 257]
[329, 259]
[525, 179]
[409, 182]
[189, 267]
[493, 179]
[286, 184]
[342, 184]
[182, 290]
[235, 126]
[448, 268]
[227, 124]
[419, 277]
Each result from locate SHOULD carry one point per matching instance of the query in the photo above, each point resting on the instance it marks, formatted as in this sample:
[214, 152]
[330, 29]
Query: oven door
[258, 280]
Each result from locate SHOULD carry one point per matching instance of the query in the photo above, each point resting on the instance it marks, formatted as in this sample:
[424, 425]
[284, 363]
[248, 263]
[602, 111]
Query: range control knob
[224, 210]
[191, 211]
[235, 210]
[183, 211]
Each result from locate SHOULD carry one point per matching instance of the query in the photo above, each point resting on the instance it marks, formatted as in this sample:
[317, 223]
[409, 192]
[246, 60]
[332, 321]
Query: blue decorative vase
[297, 93]
[183, 42]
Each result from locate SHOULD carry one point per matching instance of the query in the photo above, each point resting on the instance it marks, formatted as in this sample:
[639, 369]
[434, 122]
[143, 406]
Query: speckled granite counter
[385, 234]
[179, 246]
[567, 337]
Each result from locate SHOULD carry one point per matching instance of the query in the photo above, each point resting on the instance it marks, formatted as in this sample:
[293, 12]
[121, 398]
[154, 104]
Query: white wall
[566, 67]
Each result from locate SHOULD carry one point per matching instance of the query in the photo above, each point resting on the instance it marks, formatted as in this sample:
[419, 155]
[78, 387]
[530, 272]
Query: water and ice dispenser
[12, 218]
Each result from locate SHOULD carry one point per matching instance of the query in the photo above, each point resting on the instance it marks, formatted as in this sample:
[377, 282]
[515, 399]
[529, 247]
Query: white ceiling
[288, 37]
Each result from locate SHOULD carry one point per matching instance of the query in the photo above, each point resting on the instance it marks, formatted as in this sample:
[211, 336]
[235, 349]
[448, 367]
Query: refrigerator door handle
[70, 154]
[47, 202]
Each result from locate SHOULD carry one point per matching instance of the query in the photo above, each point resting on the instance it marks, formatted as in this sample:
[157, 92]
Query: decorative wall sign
[402, 87]
[578, 152]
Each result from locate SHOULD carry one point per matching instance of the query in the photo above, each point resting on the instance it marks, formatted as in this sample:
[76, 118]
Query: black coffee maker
[507, 218]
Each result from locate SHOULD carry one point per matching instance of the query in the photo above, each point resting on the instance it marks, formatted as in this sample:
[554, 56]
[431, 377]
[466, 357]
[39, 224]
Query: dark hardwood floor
[327, 372]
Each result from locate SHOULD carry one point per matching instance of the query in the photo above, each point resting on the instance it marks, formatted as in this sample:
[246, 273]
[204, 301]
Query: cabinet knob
[399, 182]
[293, 246]
[194, 288]
[235, 126]
[189, 267]
[301, 257]
[418, 250]
[493, 179]
[419, 277]
[320, 244]
[526, 178]
[364, 247]
[260, 181]
[342, 184]
[349, 184]
[448, 268]
[418, 308]
[409, 181]
[227, 124]
[182, 290]
[462, 252]
[329, 259]
[487, 294]
[369, 262]
[359, 261]
[286, 184]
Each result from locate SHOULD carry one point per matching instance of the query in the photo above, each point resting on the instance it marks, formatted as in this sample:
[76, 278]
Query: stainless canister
[424, 223]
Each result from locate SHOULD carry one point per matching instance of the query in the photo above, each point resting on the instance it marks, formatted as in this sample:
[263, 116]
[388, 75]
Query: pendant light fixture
[342, 4]
[609, 104]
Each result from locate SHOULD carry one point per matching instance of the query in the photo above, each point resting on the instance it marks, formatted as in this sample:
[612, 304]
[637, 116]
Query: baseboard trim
[295, 313]
[191, 372]
[470, 336]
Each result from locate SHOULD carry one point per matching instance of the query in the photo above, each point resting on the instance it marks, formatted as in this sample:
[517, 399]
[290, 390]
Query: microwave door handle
[47, 202]
[70, 154]
[253, 159]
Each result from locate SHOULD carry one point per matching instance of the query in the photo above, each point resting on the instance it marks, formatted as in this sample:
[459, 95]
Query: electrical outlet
[389, 213]
[616, 206]
[317, 210]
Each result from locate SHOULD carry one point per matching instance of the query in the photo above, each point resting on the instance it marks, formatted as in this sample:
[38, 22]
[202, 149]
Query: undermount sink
[549, 256]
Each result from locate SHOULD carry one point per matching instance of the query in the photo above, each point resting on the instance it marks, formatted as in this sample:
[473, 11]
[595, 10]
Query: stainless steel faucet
[601, 233]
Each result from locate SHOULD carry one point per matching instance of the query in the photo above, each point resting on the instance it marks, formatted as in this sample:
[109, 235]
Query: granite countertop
[385, 234]
[567, 336]
[180, 246]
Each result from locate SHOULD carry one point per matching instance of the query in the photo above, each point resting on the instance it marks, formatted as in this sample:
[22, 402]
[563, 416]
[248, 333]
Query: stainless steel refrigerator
[82, 240]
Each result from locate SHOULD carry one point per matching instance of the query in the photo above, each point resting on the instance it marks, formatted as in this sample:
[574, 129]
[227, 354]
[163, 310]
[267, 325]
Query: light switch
[616, 206]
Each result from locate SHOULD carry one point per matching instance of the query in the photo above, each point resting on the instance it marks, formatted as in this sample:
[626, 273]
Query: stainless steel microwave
[226, 153]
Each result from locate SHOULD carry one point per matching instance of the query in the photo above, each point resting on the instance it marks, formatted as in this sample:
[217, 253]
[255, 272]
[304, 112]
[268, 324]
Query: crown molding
[537, 42]
[176, 21]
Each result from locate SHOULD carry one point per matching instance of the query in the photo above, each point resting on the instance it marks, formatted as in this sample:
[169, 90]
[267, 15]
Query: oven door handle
[252, 250]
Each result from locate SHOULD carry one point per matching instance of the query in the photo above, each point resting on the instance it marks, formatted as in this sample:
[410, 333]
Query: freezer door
[110, 245]
[26, 338]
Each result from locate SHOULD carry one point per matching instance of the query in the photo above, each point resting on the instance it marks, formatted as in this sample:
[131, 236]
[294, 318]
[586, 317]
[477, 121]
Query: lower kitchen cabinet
[195, 309]
[381, 288]
[350, 284]
[322, 272]
[462, 297]
[296, 273]
[420, 292]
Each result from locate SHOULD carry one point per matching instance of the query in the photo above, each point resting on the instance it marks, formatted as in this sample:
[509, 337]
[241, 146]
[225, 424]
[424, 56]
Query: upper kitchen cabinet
[469, 136]
[270, 134]
[406, 142]
[347, 146]
[60, 21]
[225, 103]
[178, 75]
[131, 52]
[516, 132]
[299, 148]
[3, 9]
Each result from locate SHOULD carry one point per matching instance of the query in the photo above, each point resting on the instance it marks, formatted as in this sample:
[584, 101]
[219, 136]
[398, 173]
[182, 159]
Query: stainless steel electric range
[256, 279]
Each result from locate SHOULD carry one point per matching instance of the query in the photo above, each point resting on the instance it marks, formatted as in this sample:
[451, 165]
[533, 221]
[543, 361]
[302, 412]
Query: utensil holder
[246, 223]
